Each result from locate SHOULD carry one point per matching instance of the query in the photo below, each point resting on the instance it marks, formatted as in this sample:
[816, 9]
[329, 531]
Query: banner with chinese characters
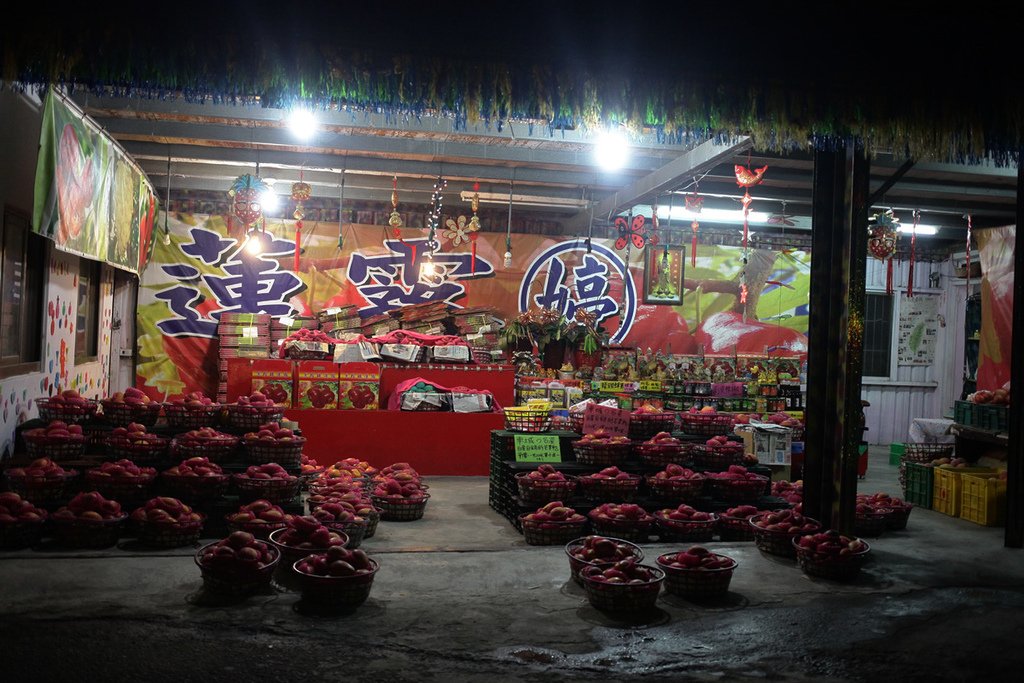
[90, 197]
[207, 268]
[918, 329]
[996, 346]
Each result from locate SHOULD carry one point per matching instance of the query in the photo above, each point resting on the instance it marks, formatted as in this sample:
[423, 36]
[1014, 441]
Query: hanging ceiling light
[611, 151]
[302, 123]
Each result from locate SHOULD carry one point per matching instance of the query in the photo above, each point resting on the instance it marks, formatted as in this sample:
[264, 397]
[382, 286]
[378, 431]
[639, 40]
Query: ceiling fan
[782, 218]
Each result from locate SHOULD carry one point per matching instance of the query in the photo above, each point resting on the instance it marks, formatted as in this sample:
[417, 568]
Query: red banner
[996, 346]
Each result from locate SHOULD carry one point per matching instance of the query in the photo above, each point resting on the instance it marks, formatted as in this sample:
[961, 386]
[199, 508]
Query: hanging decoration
[913, 243]
[246, 193]
[474, 227]
[655, 225]
[883, 236]
[633, 231]
[301, 192]
[434, 216]
[694, 204]
[507, 261]
[395, 220]
[747, 179]
[968, 250]
[341, 210]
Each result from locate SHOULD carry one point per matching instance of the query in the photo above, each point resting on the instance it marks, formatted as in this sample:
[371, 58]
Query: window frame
[93, 340]
[24, 362]
[894, 316]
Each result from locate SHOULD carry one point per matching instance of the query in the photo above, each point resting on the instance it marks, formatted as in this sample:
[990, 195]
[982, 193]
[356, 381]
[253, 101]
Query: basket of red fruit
[305, 344]
[598, 551]
[602, 449]
[830, 555]
[611, 483]
[206, 442]
[624, 520]
[705, 422]
[544, 484]
[238, 565]
[21, 522]
[734, 523]
[626, 586]
[337, 580]
[341, 515]
[399, 502]
[717, 453]
[310, 469]
[676, 483]
[128, 406]
[195, 480]
[42, 481]
[662, 449]
[68, 406]
[259, 518]
[790, 491]
[166, 522]
[774, 531]
[136, 444]
[697, 573]
[58, 441]
[898, 509]
[553, 524]
[301, 537]
[684, 523]
[273, 443]
[253, 411]
[122, 480]
[648, 421]
[736, 484]
[361, 470]
[192, 411]
[88, 521]
[269, 481]
[869, 520]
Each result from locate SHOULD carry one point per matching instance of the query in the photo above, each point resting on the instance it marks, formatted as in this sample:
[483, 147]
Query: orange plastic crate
[946, 492]
[983, 499]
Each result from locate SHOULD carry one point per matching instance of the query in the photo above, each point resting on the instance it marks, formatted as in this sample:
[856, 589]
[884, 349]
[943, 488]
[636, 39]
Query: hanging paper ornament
[910, 267]
[694, 204]
[246, 195]
[747, 179]
[633, 232]
[301, 192]
[394, 220]
[455, 230]
[434, 217]
[474, 227]
[883, 237]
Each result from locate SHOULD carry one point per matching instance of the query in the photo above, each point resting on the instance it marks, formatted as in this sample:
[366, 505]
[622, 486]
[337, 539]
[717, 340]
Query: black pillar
[838, 269]
[1014, 537]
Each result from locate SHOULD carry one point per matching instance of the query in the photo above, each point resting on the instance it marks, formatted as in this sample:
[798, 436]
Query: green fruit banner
[90, 197]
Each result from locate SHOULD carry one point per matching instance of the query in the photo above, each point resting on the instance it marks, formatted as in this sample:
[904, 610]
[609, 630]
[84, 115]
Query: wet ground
[460, 597]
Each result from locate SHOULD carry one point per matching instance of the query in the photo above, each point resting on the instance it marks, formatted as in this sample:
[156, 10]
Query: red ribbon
[693, 246]
[968, 253]
[888, 278]
[298, 242]
[910, 270]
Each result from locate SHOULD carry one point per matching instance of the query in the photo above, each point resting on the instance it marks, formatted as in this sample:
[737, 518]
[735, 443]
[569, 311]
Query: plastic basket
[236, 580]
[576, 564]
[139, 452]
[217, 449]
[919, 484]
[120, 414]
[991, 418]
[637, 531]
[684, 530]
[538, 491]
[181, 416]
[737, 490]
[643, 426]
[284, 453]
[291, 554]
[829, 566]
[307, 478]
[778, 542]
[275, 490]
[56, 448]
[873, 523]
[527, 420]
[172, 535]
[696, 583]
[338, 593]
[705, 424]
[41, 491]
[618, 490]
[662, 454]
[946, 492]
[71, 414]
[623, 597]
[195, 488]
[20, 533]
[123, 489]
[735, 528]
[550, 532]
[403, 509]
[601, 454]
[251, 417]
[983, 499]
[717, 458]
[85, 533]
[926, 452]
[676, 490]
[372, 520]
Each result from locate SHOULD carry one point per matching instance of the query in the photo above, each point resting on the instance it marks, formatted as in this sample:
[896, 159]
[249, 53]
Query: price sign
[650, 385]
[287, 321]
[537, 448]
[249, 332]
[333, 311]
[612, 420]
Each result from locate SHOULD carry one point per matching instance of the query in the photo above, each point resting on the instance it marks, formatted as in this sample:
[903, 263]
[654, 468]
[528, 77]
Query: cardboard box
[317, 383]
[358, 386]
[275, 379]
[770, 443]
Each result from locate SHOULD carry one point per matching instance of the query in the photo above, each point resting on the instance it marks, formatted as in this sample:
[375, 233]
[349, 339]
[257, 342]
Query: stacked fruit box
[241, 335]
[430, 318]
[480, 328]
[379, 325]
[339, 321]
[282, 328]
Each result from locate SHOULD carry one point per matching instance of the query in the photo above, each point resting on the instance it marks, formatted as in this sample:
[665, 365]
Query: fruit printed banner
[996, 347]
[91, 199]
[208, 268]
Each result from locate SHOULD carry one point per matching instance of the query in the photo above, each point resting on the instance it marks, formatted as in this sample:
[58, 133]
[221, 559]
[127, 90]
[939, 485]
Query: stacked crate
[240, 335]
[340, 321]
[282, 328]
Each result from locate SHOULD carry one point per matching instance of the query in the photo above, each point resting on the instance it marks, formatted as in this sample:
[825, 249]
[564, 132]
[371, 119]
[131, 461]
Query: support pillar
[835, 334]
[1014, 536]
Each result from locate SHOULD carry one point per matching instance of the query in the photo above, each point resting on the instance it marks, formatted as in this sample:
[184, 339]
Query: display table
[433, 443]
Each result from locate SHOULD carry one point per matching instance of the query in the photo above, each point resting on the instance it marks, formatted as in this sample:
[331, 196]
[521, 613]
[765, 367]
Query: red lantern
[883, 237]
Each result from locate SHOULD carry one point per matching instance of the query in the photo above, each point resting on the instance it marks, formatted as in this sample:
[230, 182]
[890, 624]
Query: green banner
[90, 197]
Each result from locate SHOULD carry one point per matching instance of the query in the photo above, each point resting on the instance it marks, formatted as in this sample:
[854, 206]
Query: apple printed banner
[91, 199]
[203, 272]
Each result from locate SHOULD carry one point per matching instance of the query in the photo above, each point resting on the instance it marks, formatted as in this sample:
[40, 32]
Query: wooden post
[1014, 537]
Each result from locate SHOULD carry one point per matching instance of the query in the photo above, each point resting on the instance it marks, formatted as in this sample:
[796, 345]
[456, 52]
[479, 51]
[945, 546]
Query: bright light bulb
[253, 244]
[921, 229]
[302, 123]
[611, 151]
[270, 202]
[508, 259]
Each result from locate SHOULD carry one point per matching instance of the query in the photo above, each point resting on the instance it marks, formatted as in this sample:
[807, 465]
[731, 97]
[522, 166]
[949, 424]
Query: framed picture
[663, 275]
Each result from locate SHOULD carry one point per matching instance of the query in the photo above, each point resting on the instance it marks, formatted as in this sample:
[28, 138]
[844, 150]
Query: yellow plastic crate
[946, 491]
[983, 499]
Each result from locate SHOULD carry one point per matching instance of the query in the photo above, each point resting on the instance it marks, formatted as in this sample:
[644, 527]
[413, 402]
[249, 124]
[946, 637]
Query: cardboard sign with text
[538, 448]
[613, 421]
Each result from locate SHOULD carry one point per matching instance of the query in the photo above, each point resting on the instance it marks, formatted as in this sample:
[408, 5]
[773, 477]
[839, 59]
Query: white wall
[917, 391]
[19, 142]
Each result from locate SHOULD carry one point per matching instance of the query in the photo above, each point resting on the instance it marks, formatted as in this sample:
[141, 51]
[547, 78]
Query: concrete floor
[461, 597]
